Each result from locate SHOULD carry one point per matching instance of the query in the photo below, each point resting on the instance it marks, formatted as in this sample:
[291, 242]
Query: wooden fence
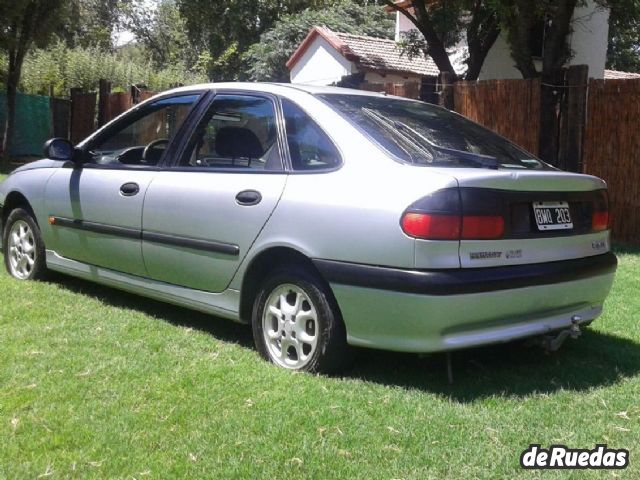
[612, 150]
[92, 110]
[508, 107]
[83, 115]
[407, 89]
[610, 146]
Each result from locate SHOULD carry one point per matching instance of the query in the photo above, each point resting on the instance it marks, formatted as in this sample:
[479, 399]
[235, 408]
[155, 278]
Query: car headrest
[238, 142]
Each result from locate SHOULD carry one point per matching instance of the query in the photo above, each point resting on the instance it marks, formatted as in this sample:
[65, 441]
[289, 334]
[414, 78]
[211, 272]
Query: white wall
[403, 24]
[498, 63]
[321, 64]
[589, 38]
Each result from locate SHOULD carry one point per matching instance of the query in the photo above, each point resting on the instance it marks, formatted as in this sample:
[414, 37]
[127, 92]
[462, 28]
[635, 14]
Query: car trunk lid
[548, 216]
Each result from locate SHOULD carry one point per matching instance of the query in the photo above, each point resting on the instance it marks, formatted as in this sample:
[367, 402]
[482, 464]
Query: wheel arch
[266, 261]
[13, 200]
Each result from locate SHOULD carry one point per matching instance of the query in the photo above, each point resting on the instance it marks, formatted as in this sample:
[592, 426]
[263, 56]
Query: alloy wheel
[290, 326]
[21, 250]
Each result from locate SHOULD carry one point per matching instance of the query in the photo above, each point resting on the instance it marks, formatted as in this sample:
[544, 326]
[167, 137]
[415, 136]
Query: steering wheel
[153, 145]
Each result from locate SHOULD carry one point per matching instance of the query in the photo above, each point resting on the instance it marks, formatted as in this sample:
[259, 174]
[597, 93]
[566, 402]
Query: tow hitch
[552, 343]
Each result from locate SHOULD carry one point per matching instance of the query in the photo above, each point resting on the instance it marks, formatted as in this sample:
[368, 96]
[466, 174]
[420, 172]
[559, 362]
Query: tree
[162, 31]
[92, 23]
[25, 23]
[441, 25]
[624, 41]
[520, 17]
[266, 59]
[227, 29]
[63, 68]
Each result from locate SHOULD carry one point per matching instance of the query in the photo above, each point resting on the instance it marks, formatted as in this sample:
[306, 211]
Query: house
[587, 41]
[326, 57]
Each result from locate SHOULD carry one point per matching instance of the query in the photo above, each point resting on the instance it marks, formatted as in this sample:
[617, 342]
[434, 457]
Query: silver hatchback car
[324, 217]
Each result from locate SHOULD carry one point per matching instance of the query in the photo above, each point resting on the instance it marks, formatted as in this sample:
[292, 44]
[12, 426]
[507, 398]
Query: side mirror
[59, 149]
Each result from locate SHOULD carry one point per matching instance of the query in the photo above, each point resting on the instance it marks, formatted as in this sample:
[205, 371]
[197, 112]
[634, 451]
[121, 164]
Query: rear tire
[24, 252]
[297, 324]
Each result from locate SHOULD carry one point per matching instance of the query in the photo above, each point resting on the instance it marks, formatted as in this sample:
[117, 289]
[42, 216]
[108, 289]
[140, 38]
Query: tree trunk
[550, 96]
[554, 56]
[482, 33]
[523, 19]
[20, 45]
[435, 48]
[13, 78]
[9, 128]
[556, 50]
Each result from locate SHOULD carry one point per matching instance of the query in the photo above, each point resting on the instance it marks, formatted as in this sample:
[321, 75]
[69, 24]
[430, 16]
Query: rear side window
[310, 148]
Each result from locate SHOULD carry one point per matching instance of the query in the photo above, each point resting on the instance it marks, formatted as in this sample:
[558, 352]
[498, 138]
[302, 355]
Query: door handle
[248, 198]
[129, 189]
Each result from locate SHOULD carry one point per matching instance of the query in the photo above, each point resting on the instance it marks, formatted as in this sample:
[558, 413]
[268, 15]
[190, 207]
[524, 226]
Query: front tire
[296, 323]
[24, 252]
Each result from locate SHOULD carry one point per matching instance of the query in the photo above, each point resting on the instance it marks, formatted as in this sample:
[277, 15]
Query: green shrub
[80, 67]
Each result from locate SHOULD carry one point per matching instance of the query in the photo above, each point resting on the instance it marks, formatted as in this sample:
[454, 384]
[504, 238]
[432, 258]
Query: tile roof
[369, 53]
[383, 54]
[616, 75]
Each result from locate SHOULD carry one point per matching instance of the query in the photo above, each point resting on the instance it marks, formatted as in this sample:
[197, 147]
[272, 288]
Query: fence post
[446, 93]
[134, 94]
[104, 90]
[573, 118]
[551, 92]
[83, 110]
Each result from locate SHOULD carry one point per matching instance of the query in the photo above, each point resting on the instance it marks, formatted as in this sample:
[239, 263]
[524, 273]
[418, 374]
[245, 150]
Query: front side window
[425, 135]
[144, 135]
[310, 148]
[238, 132]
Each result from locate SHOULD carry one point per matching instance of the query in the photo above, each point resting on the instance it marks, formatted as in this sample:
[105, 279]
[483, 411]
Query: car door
[201, 217]
[95, 209]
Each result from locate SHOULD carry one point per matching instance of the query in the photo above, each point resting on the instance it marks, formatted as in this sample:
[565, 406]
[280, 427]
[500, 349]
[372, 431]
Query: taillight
[452, 227]
[440, 216]
[600, 216]
[482, 227]
[599, 221]
[431, 226]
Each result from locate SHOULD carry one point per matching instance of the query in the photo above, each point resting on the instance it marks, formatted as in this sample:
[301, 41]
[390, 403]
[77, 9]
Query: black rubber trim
[179, 241]
[97, 228]
[206, 245]
[463, 281]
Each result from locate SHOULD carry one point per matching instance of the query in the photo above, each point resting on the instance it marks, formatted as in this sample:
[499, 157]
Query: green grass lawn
[96, 383]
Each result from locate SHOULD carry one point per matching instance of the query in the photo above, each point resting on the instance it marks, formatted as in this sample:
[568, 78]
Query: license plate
[552, 215]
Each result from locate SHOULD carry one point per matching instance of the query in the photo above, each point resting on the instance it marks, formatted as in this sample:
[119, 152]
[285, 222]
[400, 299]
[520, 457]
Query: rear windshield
[422, 134]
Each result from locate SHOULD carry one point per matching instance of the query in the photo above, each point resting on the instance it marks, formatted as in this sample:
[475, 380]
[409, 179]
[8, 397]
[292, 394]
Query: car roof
[277, 88]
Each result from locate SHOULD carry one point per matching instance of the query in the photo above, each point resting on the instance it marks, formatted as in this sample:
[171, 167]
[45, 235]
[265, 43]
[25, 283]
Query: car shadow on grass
[511, 370]
[222, 329]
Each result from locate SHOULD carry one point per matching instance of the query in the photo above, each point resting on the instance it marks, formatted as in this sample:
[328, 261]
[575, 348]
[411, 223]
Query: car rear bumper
[439, 310]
